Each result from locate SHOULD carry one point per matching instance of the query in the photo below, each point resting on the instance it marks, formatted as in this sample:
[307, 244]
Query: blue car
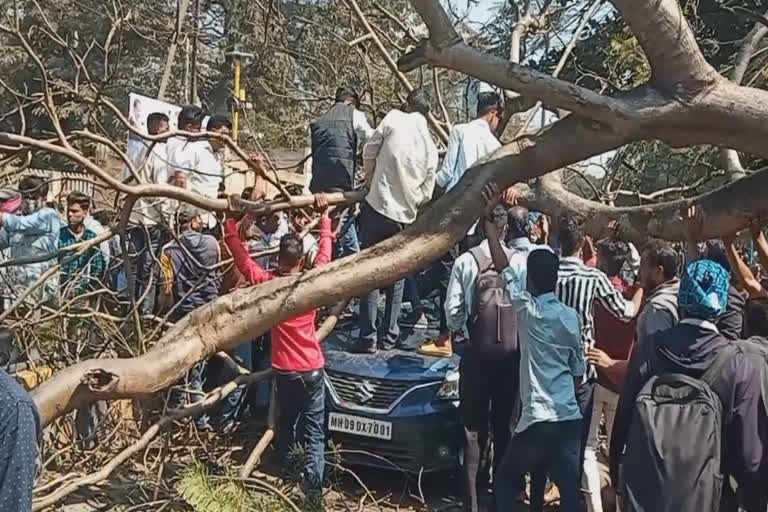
[394, 409]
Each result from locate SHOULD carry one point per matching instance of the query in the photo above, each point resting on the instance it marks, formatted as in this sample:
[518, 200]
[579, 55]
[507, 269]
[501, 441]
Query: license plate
[360, 426]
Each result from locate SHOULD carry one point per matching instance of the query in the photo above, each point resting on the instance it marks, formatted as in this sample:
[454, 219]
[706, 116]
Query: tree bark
[730, 157]
[677, 63]
[725, 210]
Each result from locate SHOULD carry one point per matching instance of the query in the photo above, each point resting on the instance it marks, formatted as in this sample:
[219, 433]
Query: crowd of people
[573, 351]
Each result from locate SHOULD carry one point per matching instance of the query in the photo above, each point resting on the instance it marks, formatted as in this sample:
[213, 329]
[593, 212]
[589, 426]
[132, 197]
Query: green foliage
[650, 166]
[204, 494]
[625, 61]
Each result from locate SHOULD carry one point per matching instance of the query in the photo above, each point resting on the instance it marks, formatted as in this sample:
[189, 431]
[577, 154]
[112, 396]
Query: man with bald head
[489, 369]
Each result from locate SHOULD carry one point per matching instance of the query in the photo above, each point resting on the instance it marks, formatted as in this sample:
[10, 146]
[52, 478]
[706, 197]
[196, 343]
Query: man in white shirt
[400, 160]
[196, 158]
[468, 143]
[336, 138]
[150, 216]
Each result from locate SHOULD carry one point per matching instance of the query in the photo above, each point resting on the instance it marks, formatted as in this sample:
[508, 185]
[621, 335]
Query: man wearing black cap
[337, 137]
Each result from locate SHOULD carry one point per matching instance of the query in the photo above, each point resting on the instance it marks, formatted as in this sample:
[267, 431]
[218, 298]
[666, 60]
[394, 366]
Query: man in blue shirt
[548, 433]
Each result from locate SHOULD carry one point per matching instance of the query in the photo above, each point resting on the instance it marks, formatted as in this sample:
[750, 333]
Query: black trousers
[488, 394]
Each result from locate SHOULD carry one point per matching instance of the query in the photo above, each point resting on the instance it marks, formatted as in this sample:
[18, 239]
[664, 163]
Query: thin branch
[434, 123]
[181, 14]
[439, 96]
[563, 58]
[195, 409]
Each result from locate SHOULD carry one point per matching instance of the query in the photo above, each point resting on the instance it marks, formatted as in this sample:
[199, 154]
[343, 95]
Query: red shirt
[615, 338]
[295, 346]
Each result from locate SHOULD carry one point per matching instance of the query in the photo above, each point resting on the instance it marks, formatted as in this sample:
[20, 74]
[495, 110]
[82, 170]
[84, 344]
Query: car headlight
[449, 389]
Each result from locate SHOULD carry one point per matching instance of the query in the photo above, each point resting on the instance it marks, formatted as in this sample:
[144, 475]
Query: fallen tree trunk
[726, 210]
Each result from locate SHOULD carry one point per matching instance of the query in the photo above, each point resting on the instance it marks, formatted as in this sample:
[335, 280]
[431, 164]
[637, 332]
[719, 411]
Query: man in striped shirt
[580, 286]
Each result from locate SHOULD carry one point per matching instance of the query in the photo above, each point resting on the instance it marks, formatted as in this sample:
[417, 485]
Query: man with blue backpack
[687, 419]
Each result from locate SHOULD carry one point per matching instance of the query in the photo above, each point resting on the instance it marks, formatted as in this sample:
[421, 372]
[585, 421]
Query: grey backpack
[493, 323]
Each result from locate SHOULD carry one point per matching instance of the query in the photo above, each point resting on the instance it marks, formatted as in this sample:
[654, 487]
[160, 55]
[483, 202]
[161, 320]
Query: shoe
[432, 348]
[386, 346]
[552, 495]
[364, 347]
[422, 323]
[417, 319]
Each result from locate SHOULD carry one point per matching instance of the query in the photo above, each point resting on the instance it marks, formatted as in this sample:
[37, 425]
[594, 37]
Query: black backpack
[673, 456]
[493, 324]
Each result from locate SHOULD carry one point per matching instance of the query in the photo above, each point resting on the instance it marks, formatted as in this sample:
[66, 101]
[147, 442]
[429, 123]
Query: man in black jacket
[337, 137]
[690, 348]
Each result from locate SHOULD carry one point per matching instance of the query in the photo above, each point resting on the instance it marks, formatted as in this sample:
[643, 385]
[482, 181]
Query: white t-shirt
[204, 171]
[406, 161]
[151, 167]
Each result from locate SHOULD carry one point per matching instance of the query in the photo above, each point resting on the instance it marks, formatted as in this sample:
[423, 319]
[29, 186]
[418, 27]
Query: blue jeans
[235, 404]
[551, 447]
[374, 228]
[301, 398]
[145, 247]
[585, 397]
[348, 242]
[191, 393]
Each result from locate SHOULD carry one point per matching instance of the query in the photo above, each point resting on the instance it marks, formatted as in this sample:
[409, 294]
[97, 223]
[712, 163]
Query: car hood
[391, 364]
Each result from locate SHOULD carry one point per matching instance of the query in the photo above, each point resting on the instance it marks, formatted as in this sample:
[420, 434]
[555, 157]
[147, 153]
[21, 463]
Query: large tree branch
[731, 159]
[679, 67]
[521, 79]
[238, 317]
[169, 191]
[726, 210]
[688, 103]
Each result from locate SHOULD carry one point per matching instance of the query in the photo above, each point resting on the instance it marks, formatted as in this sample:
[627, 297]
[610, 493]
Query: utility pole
[195, 43]
[238, 92]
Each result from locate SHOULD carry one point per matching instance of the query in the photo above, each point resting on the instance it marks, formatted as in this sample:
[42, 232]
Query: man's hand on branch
[511, 196]
[693, 223]
[589, 251]
[491, 197]
[236, 204]
[756, 228]
[321, 204]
